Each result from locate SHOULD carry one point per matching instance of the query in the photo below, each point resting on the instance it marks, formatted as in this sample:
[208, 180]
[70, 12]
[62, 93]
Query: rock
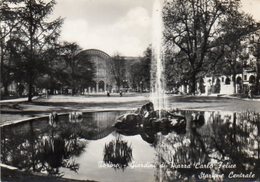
[128, 120]
[150, 119]
[178, 124]
[146, 109]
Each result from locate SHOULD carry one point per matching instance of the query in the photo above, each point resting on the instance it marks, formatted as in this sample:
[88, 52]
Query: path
[22, 110]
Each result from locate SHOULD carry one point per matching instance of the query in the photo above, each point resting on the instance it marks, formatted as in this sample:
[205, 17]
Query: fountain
[155, 114]
[158, 97]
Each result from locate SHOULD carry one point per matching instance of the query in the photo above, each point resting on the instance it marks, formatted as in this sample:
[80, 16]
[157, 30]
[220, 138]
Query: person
[108, 94]
[250, 93]
[121, 93]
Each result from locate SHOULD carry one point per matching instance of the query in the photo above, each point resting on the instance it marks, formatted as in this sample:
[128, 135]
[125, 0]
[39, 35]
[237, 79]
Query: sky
[115, 26]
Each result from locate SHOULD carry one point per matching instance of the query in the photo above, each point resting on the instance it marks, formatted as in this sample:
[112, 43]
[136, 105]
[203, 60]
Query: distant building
[104, 79]
[224, 84]
[244, 81]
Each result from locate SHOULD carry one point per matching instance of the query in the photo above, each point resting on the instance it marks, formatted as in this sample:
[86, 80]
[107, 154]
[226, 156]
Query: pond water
[225, 145]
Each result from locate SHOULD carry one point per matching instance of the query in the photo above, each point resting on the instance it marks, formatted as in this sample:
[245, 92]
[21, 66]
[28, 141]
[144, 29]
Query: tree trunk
[118, 84]
[118, 87]
[257, 76]
[2, 55]
[2, 64]
[234, 82]
[30, 90]
[30, 61]
[193, 84]
[51, 85]
[5, 89]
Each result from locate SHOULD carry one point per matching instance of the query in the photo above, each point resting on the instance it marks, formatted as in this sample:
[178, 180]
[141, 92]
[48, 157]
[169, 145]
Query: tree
[193, 29]
[140, 76]
[9, 18]
[37, 32]
[13, 68]
[174, 69]
[255, 42]
[118, 70]
[54, 65]
[9, 24]
[79, 71]
[237, 28]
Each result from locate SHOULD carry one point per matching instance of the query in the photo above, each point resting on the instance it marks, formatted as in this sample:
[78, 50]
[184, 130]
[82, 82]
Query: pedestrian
[250, 93]
[121, 93]
[108, 94]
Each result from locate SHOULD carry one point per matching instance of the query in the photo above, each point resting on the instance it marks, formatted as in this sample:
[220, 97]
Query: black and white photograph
[130, 90]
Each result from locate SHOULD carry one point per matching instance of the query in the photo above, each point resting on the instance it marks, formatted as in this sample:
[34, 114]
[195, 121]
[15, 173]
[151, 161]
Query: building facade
[103, 78]
[225, 84]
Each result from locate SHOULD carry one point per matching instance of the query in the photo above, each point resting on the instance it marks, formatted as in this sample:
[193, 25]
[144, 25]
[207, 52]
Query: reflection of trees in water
[237, 139]
[177, 153]
[118, 153]
[38, 147]
[44, 149]
[57, 151]
[232, 139]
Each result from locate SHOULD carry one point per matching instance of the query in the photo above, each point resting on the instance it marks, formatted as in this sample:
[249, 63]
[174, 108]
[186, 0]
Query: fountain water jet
[158, 96]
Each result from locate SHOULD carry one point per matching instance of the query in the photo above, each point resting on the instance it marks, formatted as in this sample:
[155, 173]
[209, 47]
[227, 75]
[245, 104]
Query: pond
[225, 145]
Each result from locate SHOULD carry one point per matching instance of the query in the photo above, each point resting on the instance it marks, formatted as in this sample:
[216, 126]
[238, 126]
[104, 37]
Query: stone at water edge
[146, 109]
[149, 118]
[167, 124]
[134, 119]
[128, 120]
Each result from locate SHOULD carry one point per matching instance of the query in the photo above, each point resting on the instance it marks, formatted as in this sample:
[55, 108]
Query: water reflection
[46, 145]
[214, 146]
[42, 151]
[118, 154]
[226, 147]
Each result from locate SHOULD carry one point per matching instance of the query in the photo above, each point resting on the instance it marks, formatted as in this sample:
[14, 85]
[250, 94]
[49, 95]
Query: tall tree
[37, 32]
[53, 68]
[118, 70]
[9, 24]
[140, 76]
[194, 29]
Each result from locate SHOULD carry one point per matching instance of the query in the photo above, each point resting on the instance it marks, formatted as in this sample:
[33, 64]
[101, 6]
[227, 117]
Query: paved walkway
[16, 110]
[92, 99]
[16, 100]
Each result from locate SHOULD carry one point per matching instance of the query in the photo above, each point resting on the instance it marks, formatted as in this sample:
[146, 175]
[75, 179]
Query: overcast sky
[115, 26]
